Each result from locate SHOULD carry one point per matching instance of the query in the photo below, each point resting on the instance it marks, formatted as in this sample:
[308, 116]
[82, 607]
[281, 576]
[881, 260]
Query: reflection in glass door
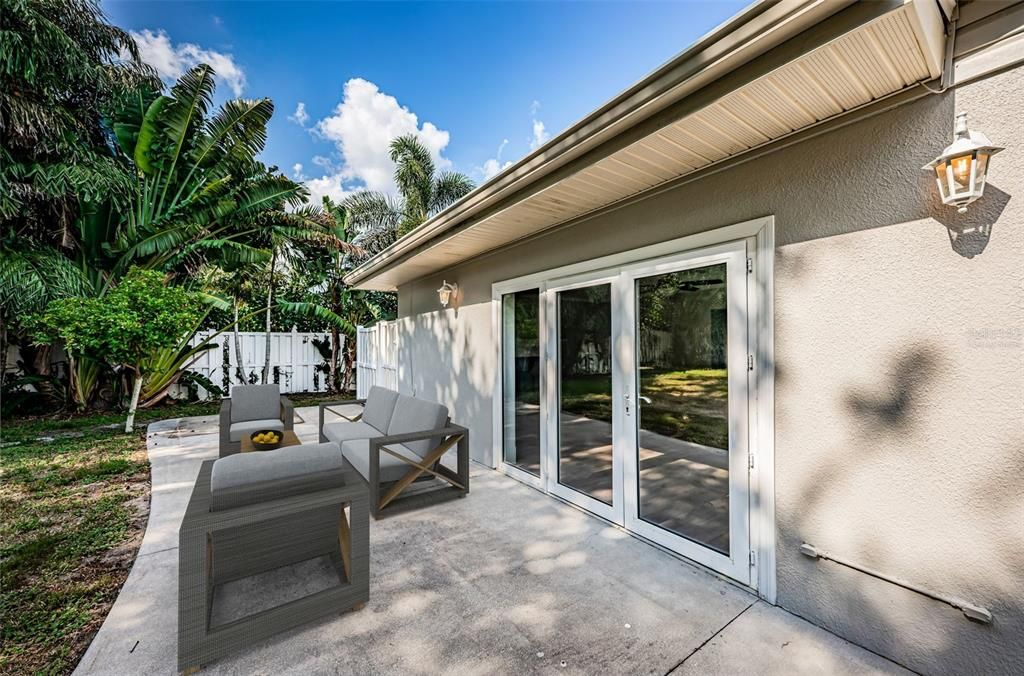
[521, 380]
[624, 391]
[585, 391]
[683, 403]
[687, 457]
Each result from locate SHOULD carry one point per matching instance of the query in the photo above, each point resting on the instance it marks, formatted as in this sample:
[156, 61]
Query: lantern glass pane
[943, 180]
[979, 173]
[960, 175]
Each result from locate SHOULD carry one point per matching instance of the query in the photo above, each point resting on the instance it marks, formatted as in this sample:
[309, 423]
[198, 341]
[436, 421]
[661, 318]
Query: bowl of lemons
[266, 440]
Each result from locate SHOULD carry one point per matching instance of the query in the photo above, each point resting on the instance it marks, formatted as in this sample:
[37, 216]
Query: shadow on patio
[504, 581]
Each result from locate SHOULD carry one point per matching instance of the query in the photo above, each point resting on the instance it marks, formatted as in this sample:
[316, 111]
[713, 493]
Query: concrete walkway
[505, 581]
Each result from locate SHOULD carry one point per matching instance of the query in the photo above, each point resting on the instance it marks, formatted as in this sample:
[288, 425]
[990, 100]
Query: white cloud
[540, 134]
[171, 61]
[326, 163]
[300, 116]
[329, 185]
[362, 127]
[494, 165]
[297, 172]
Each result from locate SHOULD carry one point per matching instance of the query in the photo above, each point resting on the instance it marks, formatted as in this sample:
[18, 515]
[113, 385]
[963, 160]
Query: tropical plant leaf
[318, 312]
[146, 137]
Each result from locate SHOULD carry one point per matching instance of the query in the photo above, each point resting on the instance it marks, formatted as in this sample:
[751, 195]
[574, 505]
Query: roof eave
[757, 29]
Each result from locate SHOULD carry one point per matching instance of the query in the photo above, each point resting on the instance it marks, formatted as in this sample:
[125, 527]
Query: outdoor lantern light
[445, 293]
[960, 169]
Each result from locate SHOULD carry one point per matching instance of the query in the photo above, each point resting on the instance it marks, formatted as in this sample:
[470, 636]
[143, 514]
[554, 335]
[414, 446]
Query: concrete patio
[505, 581]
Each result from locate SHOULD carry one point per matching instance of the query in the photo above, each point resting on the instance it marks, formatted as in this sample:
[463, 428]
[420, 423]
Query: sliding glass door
[625, 393]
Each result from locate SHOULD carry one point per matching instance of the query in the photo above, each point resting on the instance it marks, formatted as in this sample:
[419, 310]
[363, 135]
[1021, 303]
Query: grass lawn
[690, 404]
[73, 508]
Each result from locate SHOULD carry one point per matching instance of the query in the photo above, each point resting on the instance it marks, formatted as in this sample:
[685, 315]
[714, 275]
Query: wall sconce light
[445, 293]
[960, 169]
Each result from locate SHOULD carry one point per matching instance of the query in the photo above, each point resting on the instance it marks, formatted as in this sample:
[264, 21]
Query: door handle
[646, 400]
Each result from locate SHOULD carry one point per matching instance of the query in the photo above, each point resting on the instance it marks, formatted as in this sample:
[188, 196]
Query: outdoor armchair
[252, 408]
[255, 512]
[396, 441]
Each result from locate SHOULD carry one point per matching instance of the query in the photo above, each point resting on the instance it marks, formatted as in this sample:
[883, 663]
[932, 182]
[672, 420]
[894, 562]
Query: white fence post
[376, 357]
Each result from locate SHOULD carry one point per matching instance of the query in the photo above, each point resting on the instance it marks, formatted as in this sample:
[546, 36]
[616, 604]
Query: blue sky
[480, 82]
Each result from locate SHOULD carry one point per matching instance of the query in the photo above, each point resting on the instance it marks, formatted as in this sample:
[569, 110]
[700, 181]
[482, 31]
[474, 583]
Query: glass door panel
[683, 403]
[521, 382]
[584, 420]
[685, 452]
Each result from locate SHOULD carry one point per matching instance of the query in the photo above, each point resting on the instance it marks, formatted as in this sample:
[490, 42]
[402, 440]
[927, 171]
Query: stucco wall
[899, 366]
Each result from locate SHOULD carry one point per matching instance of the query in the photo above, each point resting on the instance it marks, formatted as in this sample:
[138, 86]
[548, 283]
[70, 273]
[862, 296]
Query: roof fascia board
[816, 35]
[871, 109]
[763, 18]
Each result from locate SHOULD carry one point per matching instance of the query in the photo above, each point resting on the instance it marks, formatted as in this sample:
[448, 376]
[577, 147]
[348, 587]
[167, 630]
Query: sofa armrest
[287, 413]
[343, 402]
[225, 419]
[449, 431]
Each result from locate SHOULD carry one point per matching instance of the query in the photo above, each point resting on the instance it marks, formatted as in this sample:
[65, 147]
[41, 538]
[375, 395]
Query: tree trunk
[129, 424]
[336, 384]
[270, 301]
[3, 352]
[350, 358]
[239, 371]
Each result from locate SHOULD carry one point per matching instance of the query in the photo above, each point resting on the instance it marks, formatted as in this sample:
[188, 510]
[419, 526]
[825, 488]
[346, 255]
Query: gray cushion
[418, 415]
[357, 452]
[245, 478]
[380, 404]
[255, 402]
[339, 432]
[242, 429]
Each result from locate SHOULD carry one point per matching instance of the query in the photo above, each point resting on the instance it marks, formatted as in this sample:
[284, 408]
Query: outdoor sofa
[396, 440]
[250, 513]
[252, 408]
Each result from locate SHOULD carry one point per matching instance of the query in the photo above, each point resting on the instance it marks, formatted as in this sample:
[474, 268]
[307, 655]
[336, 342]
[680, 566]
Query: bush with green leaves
[140, 316]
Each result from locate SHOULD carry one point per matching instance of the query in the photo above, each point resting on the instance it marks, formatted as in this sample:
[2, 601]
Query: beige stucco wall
[899, 360]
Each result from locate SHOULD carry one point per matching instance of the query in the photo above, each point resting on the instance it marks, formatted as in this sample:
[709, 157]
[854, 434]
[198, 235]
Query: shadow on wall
[891, 410]
[901, 487]
[882, 199]
[882, 616]
[969, 232]
[443, 362]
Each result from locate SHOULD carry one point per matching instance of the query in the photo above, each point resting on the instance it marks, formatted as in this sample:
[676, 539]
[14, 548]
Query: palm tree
[423, 192]
[201, 195]
[60, 71]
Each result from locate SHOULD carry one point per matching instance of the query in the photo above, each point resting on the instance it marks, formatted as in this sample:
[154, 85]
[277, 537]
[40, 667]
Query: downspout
[946, 79]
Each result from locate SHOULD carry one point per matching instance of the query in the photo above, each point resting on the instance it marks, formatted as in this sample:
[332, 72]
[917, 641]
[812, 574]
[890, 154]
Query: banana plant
[201, 195]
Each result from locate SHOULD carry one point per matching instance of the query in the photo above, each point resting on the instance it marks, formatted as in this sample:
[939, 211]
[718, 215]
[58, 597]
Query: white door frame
[735, 564]
[762, 381]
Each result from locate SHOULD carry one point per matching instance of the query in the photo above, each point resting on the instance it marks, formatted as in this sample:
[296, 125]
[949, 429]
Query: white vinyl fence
[295, 362]
[376, 357]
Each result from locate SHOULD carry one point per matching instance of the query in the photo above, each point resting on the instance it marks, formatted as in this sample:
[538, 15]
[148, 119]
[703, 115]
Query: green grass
[690, 404]
[72, 514]
[74, 511]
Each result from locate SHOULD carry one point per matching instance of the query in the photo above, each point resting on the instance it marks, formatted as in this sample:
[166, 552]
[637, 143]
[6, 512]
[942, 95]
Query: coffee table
[290, 439]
